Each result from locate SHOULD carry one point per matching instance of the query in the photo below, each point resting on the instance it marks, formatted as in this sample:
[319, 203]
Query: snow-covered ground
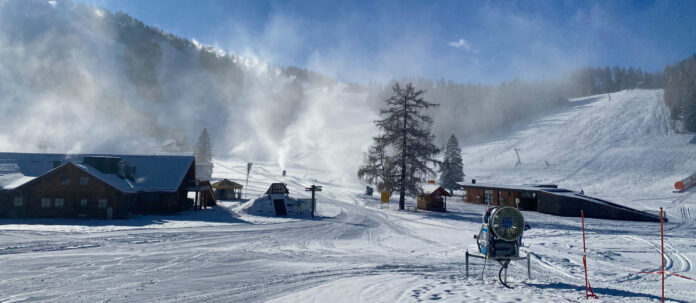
[354, 251]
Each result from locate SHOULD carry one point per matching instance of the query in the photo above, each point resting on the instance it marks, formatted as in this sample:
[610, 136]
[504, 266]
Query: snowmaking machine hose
[503, 266]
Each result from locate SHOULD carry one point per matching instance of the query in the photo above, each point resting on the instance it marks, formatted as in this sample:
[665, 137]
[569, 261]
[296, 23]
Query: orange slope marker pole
[662, 254]
[589, 293]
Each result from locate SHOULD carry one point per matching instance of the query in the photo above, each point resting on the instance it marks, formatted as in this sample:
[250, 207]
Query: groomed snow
[354, 251]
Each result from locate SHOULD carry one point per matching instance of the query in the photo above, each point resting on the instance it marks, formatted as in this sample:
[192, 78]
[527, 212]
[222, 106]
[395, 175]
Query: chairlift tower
[517, 152]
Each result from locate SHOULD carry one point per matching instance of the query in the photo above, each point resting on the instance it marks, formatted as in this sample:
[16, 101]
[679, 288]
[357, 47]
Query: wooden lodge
[95, 186]
[549, 199]
[228, 190]
[433, 199]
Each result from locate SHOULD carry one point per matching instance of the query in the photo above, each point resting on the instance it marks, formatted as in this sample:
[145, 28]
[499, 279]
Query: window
[45, 203]
[84, 181]
[488, 196]
[18, 202]
[83, 202]
[60, 202]
[102, 203]
[65, 180]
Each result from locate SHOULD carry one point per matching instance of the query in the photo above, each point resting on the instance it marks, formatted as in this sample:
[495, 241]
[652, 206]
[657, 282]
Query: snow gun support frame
[502, 274]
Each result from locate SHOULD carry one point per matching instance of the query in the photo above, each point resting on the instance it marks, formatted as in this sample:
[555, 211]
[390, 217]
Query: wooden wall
[501, 197]
[52, 186]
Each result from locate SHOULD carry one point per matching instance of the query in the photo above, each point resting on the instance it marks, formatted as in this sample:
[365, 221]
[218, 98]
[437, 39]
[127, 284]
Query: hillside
[117, 85]
[622, 148]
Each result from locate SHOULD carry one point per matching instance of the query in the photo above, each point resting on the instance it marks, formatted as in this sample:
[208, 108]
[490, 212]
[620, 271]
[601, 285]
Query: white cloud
[461, 44]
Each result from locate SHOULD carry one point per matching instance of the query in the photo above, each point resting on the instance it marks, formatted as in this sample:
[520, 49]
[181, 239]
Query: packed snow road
[353, 252]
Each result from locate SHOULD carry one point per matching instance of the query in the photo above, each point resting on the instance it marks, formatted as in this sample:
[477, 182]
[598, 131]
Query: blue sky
[466, 41]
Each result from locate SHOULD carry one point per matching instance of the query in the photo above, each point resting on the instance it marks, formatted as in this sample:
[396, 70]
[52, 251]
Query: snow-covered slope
[621, 147]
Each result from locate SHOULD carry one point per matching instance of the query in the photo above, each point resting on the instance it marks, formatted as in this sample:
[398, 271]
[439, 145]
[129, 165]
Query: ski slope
[354, 251]
[623, 149]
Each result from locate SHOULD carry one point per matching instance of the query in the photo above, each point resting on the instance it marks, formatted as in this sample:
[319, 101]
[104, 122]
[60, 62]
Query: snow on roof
[10, 175]
[153, 172]
[17, 182]
[501, 186]
[114, 180]
[428, 188]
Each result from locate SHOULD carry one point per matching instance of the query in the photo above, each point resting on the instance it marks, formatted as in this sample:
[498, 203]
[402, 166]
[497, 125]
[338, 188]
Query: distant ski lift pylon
[44, 146]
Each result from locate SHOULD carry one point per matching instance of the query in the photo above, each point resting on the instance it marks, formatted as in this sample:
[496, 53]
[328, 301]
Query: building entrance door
[280, 207]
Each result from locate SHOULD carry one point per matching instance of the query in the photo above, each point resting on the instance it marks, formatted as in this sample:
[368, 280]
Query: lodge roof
[154, 173]
[227, 184]
[277, 188]
[430, 189]
[525, 187]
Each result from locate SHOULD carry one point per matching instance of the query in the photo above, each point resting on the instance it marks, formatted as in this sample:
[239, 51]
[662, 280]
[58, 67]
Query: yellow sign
[385, 196]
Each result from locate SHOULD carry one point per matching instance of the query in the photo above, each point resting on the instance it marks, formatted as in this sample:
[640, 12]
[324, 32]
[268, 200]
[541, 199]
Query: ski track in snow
[354, 251]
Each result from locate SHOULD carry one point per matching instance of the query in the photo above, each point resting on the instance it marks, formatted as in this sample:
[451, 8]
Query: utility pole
[313, 189]
[246, 185]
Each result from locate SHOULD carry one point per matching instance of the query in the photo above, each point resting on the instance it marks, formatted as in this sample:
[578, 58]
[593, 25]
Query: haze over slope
[87, 80]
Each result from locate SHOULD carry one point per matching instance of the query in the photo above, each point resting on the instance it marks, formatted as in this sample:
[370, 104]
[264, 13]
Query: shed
[228, 190]
[278, 194]
[205, 196]
[436, 200]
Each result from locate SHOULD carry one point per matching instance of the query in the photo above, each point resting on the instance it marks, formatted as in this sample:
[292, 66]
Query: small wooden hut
[205, 197]
[227, 190]
[435, 200]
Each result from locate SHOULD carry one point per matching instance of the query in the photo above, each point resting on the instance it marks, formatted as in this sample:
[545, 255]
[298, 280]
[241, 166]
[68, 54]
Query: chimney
[473, 181]
[130, 172]
[122, 169]
[105, 164]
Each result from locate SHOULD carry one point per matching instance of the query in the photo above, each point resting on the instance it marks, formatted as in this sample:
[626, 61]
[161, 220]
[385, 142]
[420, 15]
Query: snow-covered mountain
[76, 78]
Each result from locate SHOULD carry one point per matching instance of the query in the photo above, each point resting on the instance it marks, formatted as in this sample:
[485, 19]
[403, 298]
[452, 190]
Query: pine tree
[203, 151]
[452, 169]
[379, 169]
[405, 151]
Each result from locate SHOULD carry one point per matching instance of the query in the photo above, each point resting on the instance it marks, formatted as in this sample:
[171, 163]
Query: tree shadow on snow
[215, 214]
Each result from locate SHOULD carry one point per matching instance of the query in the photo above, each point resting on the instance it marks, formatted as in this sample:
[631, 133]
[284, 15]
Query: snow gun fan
[500, 236]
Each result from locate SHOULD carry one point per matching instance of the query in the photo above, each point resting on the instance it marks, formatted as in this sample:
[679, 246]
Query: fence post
[529, 269]
[467, 263]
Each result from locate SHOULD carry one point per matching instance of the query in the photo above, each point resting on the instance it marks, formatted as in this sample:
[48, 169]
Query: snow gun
[500, 236]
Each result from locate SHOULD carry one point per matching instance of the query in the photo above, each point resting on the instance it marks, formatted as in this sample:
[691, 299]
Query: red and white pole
[662, 254]
[662, 244]
[588, 288]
